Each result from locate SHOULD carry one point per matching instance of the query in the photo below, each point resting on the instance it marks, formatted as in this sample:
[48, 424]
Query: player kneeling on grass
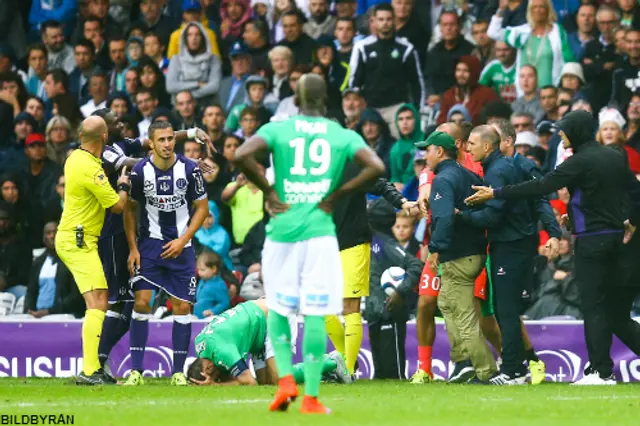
[223, 346]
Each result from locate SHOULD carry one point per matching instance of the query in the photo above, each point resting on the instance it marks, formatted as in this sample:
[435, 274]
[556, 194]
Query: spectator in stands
[620, 35]
[231, 91]
[119, 104]
[24, 125]
[192, 12]
[485, 49]
[337, 73]
[15, 254]
[549, 103]
[51, 288]
[466, 90]
[186, 109]
[279, 9]
[13, 94]
[84, 55]
[150, 77]
[500, 73]
[147, 104]
[633, 117]
[387, 315]
[35, 107]
[135, 50]
[375, 132]
[118, 56]
[287, 107]
[12, 192]
[320, 22]
[495, 110]
[246, 202]
[214, 237]
[353, 104]
[525, 142]
[63, 12]
[56, 83]
[545, 131]
[41, 174]
[443, 57]
[53, 210]
[403, 150]
[60, 54]
[281, 59]
[629, 8]
[599, 57]
[131, 83]
[522, 122]
[153, 21]
[231, 143]
[250, 256]
[93, 30]
[610, 128]
[541, 42]
[234, 14]
[213, 121]
[58, 135]
[213, 185]
[586, 21]
[529, 101]
[405, 226]
[154, 49]
[195, 68]
[212, 294]
[383, 55]
[345, 33]
[12, 155]
[572, 77]
[302, 46]
[99, 91]
[191, 149]
[407, 25]
[38, 65]
[256, 37]
[255, 91]
[249, 122]
[99, 9]
[129, 127]
[626, 77]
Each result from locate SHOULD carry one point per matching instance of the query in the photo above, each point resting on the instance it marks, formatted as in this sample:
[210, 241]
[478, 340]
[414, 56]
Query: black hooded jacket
[384, 142]
[385, 253]
[598, 179]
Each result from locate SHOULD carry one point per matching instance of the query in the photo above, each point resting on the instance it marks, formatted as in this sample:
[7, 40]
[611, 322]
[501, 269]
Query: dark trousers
[511, 273]
[387, 348]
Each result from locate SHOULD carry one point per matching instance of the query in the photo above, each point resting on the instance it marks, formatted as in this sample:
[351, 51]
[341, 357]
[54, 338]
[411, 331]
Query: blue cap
[191, 5]
[545, 126]
[238, 49]
[25, 116]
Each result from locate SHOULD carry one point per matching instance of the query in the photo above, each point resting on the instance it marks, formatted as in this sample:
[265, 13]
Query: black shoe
[505, 379]
[462, 373]
[96, 379]
[108, 378]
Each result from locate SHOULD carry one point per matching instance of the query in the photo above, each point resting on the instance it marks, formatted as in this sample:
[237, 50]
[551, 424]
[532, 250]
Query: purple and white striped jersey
[166, 198]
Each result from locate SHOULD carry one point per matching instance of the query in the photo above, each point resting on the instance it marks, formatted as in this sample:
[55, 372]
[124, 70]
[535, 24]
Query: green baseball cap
[438, 139]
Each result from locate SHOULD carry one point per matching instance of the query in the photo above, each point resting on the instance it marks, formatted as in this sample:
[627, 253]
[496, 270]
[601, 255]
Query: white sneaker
[593, 378]
[342, 372]
[503, 379]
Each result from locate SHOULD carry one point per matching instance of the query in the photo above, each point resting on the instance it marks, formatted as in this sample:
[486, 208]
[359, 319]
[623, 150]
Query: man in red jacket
[467, 91]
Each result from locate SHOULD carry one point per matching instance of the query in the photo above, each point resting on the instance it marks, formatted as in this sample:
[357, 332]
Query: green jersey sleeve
[269, 132]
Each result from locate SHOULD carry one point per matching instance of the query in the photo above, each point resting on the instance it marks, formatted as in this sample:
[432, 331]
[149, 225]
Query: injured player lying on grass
[224, 345]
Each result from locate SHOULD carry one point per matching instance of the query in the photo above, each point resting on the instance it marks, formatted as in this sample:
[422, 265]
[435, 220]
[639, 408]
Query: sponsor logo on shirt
[305, 192]
[437, 197]
[99, 178]
[166, 203]
[200, 347]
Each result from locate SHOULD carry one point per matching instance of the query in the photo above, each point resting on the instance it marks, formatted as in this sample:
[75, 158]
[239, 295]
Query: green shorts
[486, 306]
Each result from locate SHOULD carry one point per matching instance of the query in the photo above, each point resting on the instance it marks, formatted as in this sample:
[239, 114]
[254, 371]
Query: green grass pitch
[363, 403]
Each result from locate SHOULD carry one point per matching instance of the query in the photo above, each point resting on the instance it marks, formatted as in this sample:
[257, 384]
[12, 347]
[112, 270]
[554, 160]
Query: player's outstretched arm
[371, 167]
[123, 192]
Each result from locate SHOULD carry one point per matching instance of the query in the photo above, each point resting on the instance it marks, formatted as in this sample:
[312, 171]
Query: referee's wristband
[124, 187]
[191, 133]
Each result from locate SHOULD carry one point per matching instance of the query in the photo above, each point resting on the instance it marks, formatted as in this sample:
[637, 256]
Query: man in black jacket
[598, 179]
[461, 249]
[626, 77]
[354, 240]
[387, 316]
[51, 288]
[379, 63]
[512, 231]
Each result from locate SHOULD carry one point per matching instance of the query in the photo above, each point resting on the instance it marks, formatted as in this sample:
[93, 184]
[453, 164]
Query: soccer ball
[391, 279]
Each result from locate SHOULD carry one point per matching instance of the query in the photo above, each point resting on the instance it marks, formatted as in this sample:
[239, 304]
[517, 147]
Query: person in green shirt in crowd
[403, 151]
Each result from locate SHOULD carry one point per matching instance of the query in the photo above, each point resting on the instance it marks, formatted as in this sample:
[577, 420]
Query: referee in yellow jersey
[87, 195]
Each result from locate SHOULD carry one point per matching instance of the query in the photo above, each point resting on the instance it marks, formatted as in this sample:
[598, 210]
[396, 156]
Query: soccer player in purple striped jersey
[113, 249]
[169, 190]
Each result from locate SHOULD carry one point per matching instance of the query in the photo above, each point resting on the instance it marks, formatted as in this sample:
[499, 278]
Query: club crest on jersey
[99, 178]
[148, 185]
[164, 187]
[395, 54]
[181, 183]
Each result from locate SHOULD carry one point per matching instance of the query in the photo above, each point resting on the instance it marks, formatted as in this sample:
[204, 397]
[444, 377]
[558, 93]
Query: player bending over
[301, 260]
[223, 346]
[170, 190]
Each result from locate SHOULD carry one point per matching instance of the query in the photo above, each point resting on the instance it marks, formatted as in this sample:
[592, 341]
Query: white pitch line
[121, 403]
[566, 398]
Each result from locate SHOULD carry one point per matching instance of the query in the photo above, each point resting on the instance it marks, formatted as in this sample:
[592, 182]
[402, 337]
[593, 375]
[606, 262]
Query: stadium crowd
[231, 66]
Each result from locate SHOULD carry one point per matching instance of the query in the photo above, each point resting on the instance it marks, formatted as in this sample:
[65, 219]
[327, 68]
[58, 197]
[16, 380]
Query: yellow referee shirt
[87, 195]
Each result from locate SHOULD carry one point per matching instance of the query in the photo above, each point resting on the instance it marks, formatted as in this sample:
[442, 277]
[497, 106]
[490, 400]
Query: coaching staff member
[88, 193]
[598, 179]
[461, 248]
[513, 235]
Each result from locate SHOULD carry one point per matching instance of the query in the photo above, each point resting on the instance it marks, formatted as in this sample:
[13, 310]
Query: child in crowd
[255, 88]
[154, 49]
[212, 295]
[249, 122]
[403, 232]
[135, 49]
[214, 237]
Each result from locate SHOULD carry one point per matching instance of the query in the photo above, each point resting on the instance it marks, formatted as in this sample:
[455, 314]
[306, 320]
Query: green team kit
[501, 79]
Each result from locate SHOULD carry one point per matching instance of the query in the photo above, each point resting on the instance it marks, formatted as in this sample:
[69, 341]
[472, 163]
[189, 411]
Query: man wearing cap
[525, 141]
[231, 91]
[41, 174]
[353, 105]
[192, 12]
[544, 131]
[461, 249]
[12, 154]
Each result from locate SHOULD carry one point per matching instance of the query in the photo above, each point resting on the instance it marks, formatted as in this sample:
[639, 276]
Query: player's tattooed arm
[133, 261]
[371, 167]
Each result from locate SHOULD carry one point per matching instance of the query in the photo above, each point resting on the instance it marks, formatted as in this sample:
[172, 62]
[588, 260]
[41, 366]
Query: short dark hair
[158, 125]
[144, 89]
[59, 76]
[88, 44]
[301, 68]
[383, 7]
[213, 105]
[93, 18]
[50, 23]
[195, 370]
[450, 12]
[550, 86]
[481, 21]
[295, 13]
[36, 46]
[211, 259]
[506, 129]
[99, 72]
[249, 111]
[117, 39]
[347, 19]
[465, 129]
[499, 109]
[262, 27]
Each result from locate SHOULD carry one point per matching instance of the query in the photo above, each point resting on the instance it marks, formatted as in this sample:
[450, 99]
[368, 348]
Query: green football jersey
[231, 336]
[501, 79]
[309, 156]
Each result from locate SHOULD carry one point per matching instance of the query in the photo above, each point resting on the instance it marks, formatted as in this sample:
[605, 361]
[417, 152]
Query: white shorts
[303, 277]
[260, 363]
